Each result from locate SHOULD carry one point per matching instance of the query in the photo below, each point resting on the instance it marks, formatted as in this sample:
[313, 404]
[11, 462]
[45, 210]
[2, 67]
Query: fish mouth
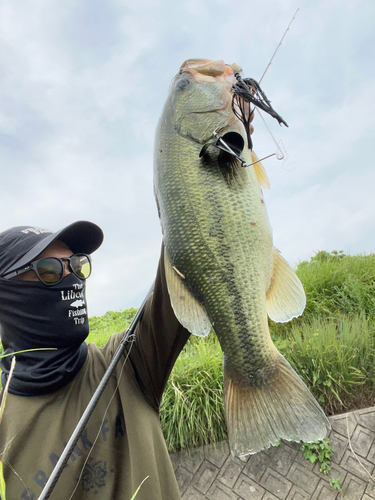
[209, 71]
[242, 93]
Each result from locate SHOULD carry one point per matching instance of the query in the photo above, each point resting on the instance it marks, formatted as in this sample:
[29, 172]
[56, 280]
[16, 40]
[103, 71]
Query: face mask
[36, 316]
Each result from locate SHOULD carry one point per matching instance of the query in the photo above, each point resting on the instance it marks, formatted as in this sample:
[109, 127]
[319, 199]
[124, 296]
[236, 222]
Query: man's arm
[159, 339]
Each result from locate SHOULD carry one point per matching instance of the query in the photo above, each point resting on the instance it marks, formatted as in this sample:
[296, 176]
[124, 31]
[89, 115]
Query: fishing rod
[69, 448]
[277, 48]
[278, 156]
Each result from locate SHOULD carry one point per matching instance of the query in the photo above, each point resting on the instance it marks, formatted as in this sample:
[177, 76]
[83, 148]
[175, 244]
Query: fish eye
[182, 84]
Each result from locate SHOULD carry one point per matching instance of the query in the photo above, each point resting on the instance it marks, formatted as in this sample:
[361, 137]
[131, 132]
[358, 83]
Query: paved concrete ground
[282, 473]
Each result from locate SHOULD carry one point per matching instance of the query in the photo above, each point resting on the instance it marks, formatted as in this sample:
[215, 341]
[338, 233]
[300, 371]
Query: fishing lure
[247, 91]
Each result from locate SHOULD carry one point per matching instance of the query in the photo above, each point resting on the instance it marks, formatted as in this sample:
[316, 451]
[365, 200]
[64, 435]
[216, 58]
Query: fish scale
[234, 235]
[221, 266]
[203, 213]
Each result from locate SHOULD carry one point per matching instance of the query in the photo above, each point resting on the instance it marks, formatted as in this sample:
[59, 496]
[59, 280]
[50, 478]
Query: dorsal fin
[260, 171]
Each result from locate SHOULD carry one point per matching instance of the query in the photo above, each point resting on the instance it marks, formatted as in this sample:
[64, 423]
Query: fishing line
[286, 159]
[281, 155]
[131, 341]
[261, 78]
[16, 473]
[247, 91]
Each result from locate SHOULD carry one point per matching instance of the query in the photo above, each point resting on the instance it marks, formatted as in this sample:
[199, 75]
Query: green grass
[192, 410]
[335, 284]
[335, 358]
[101, 327]
[338, 283]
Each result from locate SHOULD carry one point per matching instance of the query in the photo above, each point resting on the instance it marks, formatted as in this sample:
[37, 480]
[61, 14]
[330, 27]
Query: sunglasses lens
[50, 270]
[81, 265]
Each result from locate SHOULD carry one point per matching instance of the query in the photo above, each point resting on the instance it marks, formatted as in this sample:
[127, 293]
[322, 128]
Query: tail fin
[258, 416]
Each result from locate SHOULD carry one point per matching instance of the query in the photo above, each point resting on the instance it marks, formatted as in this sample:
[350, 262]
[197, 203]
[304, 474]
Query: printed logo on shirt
[95, 470]
[36, 230]
[78, 315]
[94, 474]
[77, 303]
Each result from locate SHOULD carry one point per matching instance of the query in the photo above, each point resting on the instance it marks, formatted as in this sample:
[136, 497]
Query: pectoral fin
[260, 171]
[189, 312]
[285, 297]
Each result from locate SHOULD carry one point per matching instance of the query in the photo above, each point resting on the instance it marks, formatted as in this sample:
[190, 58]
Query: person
[43, 306]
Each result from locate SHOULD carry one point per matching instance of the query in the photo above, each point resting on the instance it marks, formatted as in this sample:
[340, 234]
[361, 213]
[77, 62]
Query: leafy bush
[320, 451]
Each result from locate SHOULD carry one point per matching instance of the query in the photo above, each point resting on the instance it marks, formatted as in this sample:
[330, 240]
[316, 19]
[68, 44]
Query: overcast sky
[82, 85]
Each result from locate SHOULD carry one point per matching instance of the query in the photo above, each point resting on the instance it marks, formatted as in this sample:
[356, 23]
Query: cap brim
[81, 237]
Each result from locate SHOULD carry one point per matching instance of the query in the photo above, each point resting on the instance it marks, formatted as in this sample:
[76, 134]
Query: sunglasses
[51, 270]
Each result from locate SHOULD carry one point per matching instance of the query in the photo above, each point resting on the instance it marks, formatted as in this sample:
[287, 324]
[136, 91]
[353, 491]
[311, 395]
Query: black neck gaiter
[34, 316]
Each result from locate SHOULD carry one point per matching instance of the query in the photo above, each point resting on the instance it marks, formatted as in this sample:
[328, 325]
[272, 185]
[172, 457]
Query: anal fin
[188, 310]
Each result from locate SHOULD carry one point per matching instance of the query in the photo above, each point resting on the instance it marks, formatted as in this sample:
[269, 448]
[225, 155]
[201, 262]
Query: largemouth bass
[221, 266]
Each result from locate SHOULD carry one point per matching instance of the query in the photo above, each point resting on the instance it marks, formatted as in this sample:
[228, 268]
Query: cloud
[82, 87]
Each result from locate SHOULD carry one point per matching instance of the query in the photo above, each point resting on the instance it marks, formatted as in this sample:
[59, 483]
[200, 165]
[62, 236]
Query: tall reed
[335, 357]
[192, 410]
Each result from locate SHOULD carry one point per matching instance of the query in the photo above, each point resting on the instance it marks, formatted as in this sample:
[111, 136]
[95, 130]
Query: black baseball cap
[22, 244]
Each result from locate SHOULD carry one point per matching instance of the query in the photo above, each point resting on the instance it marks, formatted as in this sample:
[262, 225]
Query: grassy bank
[335, 284]
[332, 347]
